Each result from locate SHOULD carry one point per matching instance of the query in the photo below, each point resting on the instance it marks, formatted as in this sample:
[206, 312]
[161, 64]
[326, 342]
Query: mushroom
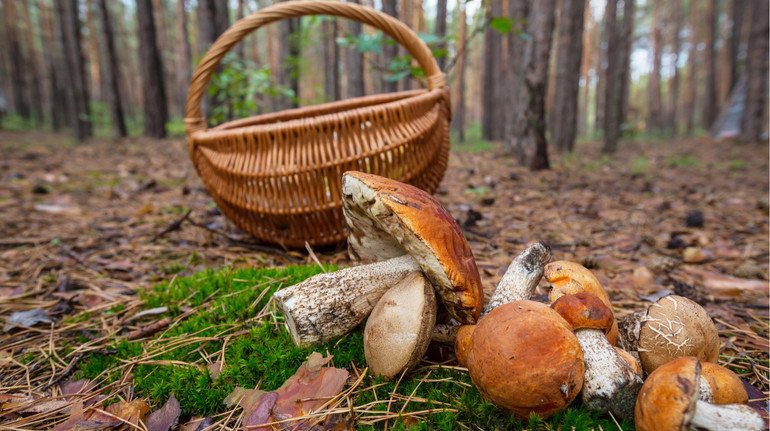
[724, 386]
[674, 327]
[395, 229]
[609, 382]
[524, 358]
[669, 401]
[630, 360]
[398, 330]
[570, 277]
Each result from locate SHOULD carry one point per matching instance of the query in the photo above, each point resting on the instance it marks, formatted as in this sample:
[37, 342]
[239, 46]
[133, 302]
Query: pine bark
[654, 117]
[491, 97]
[441, 6]
[458, 117]
[613, 76]
[529, 143]
[154, 91]
[513, 77]
[355, 62]
[755, 117]
[113, 73]
[389, 51]
[567, 84]
[710, 104]
[673, 91]
[75, 81]
[331, 60]
[184, 57]
[692, 67]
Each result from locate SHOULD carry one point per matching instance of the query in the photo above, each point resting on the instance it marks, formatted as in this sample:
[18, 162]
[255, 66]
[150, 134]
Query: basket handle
[194, 119]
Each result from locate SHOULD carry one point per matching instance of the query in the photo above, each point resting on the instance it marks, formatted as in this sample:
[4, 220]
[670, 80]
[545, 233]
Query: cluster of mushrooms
[524, 356]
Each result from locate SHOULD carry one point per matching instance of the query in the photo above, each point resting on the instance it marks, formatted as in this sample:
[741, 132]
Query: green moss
[220, 307]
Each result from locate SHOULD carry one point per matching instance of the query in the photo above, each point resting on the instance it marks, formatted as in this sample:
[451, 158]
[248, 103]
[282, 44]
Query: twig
[173, 226]
[148, 330]
[257, 247]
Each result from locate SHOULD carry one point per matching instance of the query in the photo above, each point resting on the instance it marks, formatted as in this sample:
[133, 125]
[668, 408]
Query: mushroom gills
[398, 331]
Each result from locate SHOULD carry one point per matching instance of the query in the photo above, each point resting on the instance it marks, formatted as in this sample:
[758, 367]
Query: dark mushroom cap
[388, 218]
[524, 358]
[667, 399]
[584, 310]
[675, 327]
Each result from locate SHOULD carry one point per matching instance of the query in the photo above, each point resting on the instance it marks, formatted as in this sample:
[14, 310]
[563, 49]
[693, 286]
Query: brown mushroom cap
[524, 358]
[462, 342]
[584, 310]
[726, 386]
[569, 278]
[388, 218]
[630, 360]
[675, 327]
[667, 399]
[398, 331]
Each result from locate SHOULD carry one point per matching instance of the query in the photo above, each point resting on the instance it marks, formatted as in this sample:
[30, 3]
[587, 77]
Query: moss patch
[226, 315]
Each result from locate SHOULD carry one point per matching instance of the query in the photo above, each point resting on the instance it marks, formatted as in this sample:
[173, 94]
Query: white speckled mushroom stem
[332, 304]
[521, 278]
[609, 382]
[704, 390]
[726, 417]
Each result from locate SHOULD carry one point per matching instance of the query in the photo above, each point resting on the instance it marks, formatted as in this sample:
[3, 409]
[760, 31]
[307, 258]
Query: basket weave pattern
[277, 176]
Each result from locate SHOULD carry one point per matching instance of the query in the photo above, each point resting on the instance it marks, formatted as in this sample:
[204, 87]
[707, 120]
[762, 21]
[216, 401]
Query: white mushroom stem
[518, 284]
[704, 390]
[726, 417]
[521, 278]
[609, 382]
[332, 304]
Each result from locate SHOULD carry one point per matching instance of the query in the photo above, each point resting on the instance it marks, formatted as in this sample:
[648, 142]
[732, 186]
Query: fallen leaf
[164, 418]
[214, 369]
[27, 318]
[196, 424]
[657, 295]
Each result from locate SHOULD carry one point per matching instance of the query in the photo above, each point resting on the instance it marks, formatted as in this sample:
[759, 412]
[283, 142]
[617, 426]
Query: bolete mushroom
[398, 330]
[609, 382]
[395, 229]
[669, 401]
[674, 327]
[570, 277]
[524, 357]
[724, 385]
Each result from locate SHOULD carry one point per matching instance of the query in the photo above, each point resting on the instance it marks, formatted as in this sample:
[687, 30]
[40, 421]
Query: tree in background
[755, 117]
[458, 117]
[184, 56]
[15, 61]
[626, 48]
[491, 122]
[570, 51]
[113, 75]
[155, 108]
[734, 40]
[441, 6]
[654, 117]
[692, 67]
[31, 63]
[710, 104]
[673, 89]
[75, 77]
[613, 76]
[389, 51]
[331, 54]
[513, 77]
[528, 143]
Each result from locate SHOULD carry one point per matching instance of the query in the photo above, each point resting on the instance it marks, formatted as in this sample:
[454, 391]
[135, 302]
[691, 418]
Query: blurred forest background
[522, 72]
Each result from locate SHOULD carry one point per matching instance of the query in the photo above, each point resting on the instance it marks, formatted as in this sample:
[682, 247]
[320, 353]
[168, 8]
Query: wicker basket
[277, 176]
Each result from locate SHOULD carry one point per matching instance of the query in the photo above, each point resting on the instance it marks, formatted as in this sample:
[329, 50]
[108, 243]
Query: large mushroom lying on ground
[669, 401]
[395, 229]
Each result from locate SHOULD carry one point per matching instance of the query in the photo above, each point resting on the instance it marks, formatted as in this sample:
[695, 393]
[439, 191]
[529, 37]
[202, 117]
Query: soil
[688, 216]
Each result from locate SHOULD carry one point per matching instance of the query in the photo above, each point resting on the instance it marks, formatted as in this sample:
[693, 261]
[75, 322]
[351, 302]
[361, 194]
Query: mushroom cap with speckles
[667, 399]
[584, 310]
[571, 277]
[675, 327]
[388, 218]
[726, 386]
[524, 358]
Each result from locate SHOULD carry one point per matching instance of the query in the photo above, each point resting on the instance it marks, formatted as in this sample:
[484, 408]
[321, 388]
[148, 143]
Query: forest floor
[82, 227]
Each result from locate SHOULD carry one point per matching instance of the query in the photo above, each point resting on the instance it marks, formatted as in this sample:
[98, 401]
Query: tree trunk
[53, 64]
[94, 65]
[673, 90]
[627, 47]
[734, 41]
[331, 60]
[585, 70]
[692, 66]
[458, 117]
[113, 74]
[491, 97]
[710, 104]
[513, 77]
[16, 61]
[389, 51]
[355, 62]
[184, 57]
[441, 30]
[601, 71]
[75, 82]
[31, 57]
[567, 84]
[154, 91]
[755, 117]
[655, 115]
[529, 143]
[288, 75]
[613, 76]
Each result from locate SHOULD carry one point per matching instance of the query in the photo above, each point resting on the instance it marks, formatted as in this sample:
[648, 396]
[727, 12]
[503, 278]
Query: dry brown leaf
[196, 424]
[165, 417]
